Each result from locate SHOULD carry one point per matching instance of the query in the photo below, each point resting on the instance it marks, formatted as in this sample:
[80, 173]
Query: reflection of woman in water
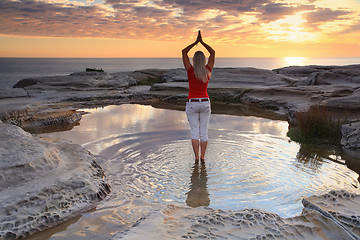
[198, 194]
[198, 102]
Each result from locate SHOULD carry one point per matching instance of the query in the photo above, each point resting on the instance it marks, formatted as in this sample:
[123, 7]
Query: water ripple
[150, 164]
[243, 170]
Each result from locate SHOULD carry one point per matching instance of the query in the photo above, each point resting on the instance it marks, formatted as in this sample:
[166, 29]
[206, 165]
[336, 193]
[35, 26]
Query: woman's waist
[198, 99]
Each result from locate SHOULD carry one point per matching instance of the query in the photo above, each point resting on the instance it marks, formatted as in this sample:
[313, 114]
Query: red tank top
[197, 88]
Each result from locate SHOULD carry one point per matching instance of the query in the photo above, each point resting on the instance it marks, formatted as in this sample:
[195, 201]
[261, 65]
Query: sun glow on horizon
[294, 61]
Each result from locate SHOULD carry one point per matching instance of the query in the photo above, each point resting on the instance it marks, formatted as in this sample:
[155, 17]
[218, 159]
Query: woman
[198, 102]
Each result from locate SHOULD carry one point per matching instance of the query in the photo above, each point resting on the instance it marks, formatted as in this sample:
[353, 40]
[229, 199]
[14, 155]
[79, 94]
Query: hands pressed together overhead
[199, 39]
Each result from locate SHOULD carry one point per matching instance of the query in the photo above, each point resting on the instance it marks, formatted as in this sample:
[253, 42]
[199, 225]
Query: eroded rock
[322, 218]
[43, 183]
[350, 141]
[301, 71]
[51, 121]
[350, 135]
[141, 75]
[343, 208]
[37, 121]
[175, 75]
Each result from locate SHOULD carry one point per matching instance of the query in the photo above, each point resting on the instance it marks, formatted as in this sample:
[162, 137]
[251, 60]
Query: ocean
[15, 69]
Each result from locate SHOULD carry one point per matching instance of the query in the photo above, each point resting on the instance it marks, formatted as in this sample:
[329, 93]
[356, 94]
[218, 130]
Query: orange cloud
[258, 25]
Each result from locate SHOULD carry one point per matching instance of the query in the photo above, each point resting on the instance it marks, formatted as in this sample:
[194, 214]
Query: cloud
[322, 15]
[42, 19]
[355, 28]
[236, 21]
[151, 12]
[230, 6]
[274, 11]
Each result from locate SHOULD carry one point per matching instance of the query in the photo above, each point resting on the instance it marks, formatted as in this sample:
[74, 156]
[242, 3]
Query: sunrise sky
[161, 28]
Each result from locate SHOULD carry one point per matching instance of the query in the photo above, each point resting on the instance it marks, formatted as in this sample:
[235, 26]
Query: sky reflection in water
[149, 163]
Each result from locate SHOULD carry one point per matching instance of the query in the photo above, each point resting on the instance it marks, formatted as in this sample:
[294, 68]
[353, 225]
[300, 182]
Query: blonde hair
[200, 69]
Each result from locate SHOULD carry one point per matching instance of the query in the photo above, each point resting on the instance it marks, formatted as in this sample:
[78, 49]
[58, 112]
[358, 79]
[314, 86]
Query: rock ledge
[43, 183]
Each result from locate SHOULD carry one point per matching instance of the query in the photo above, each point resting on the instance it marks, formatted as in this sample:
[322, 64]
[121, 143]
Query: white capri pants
[198, 115]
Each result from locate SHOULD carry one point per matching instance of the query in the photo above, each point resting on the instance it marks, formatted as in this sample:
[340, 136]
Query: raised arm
[185, 56]
[211, 59]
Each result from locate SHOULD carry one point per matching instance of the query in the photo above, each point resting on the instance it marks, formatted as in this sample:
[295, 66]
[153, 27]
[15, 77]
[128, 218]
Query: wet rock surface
[351, 135]
[351, 139]
[43, 183]
[330, 216]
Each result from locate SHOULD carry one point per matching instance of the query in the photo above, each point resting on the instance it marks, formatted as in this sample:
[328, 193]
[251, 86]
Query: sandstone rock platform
[329, 216]
[283, 91]
[43, 182]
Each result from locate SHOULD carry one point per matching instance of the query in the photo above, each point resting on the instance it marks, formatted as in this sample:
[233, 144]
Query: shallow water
[148, 161]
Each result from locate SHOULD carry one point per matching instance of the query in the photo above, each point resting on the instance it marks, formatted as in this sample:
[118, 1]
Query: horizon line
[180, 57]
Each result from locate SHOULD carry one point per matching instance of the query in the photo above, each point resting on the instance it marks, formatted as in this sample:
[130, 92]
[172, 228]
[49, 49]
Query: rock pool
[148, 161]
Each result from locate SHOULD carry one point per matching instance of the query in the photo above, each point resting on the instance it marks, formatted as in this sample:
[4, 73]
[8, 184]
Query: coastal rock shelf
[283, 91]
[43, 182]
[331, 216]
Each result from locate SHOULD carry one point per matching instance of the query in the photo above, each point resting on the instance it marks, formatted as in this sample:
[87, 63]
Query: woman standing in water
[198, 103]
